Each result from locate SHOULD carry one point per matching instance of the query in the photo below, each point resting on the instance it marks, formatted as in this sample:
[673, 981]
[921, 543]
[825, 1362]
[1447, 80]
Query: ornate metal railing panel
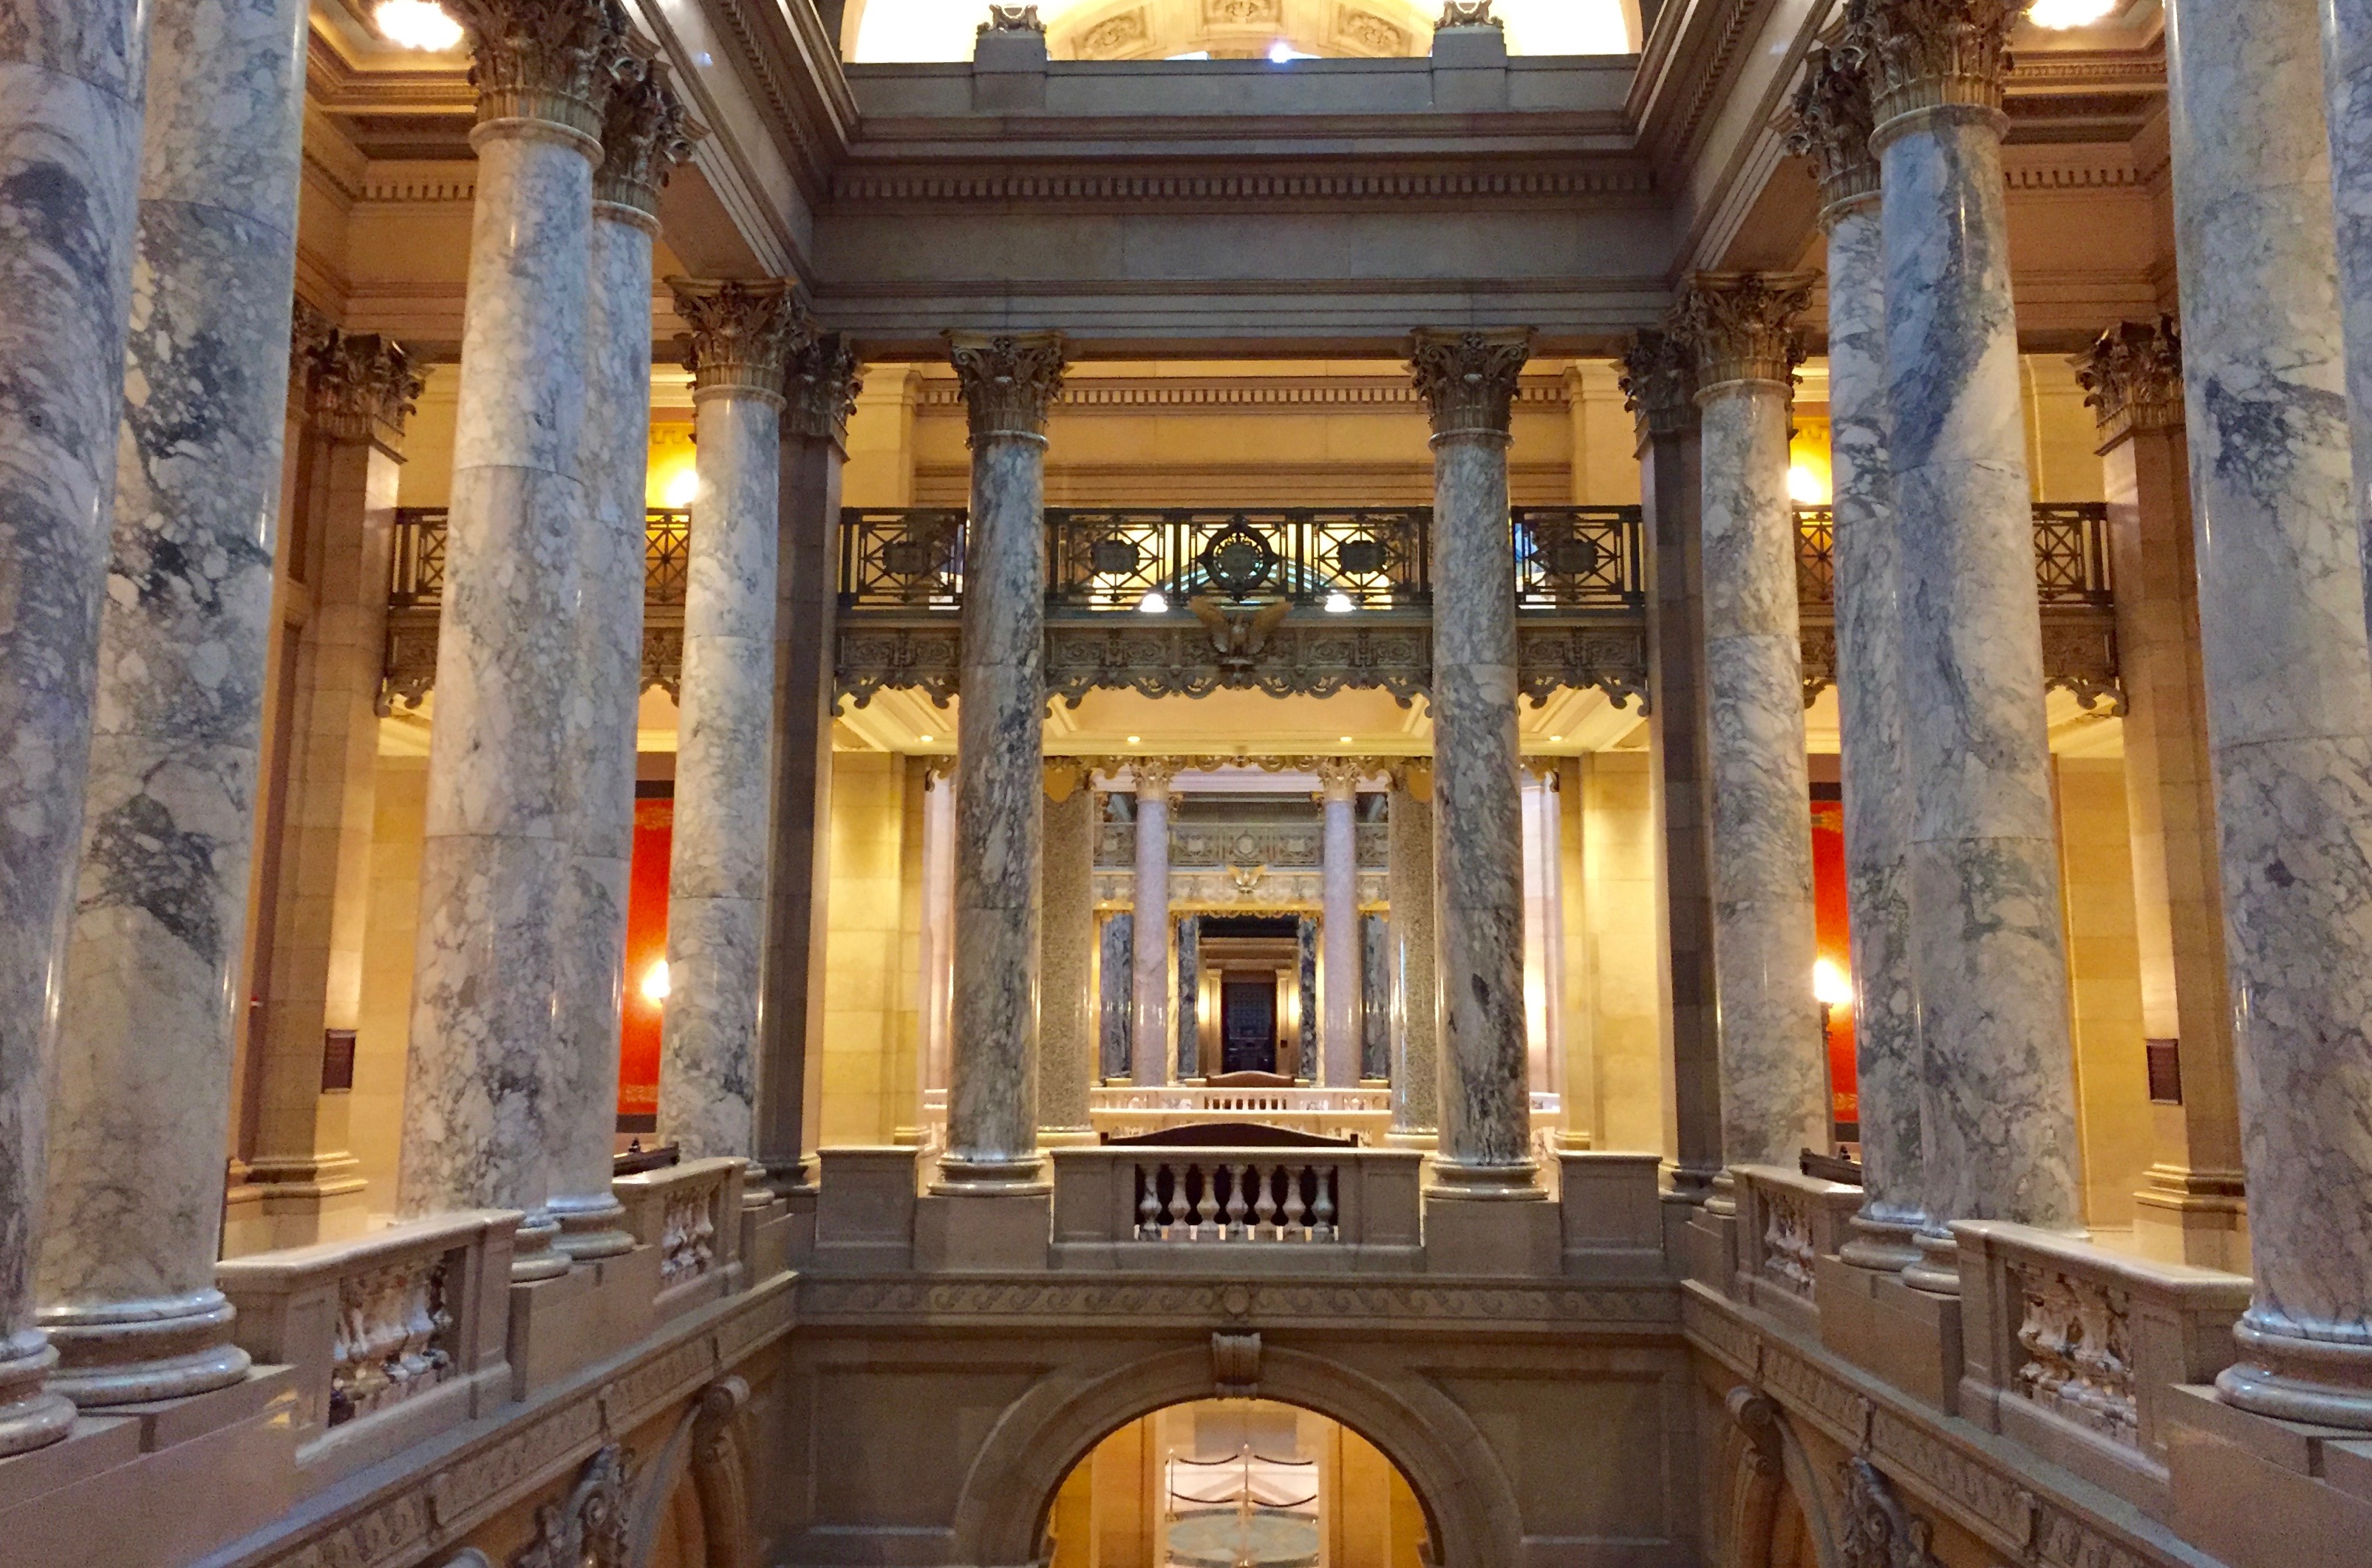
[902, 560]
[1580, 558]
[1336, 559]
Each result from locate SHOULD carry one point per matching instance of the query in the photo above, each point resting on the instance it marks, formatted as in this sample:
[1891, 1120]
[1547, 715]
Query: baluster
[1321, 1214]
[1149, 1202]
[1264, 1209]
[1294, 1208]
[1173, 1208]
[1236, 1177]
[1208, 1209]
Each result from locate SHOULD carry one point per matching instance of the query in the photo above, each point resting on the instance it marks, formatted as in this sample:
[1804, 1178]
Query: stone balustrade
[394, 1336]
[2075, 1350]
[1282, 1210]
[692, 1213]
[1786, 1223]
[1365, 1114]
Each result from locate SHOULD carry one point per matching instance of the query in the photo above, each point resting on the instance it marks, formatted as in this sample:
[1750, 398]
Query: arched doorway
[1237, 1483]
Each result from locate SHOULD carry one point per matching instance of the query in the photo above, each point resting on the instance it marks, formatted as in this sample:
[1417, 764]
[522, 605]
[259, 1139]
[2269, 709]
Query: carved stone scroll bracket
[1880, 1531]
[1756, 1416]
[591, 1526]
[1236, 1365]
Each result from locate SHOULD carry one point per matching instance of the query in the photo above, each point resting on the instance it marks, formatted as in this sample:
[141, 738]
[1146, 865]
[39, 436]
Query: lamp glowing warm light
[1554, 740]
[416, 24]
[1136, 740]
[655, 982]
[1345, 740]
[682, 490]
[1153, 604]
[926, 740]
[1339, 603]
[1829, 986]
[2062, 14]
[1806, 488]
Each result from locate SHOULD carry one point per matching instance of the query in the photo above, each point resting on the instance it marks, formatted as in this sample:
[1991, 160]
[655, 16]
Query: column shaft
[2289, 686]
[1066, 1004]
[716, 878]
[1416, 1003]
[1340, 1036]
[1149, 1052]
[1008, 382]
[1469, 383]
[2347, 81]
[1998, 1119]
[479, 1105]
[143, 1077]
[72, 78]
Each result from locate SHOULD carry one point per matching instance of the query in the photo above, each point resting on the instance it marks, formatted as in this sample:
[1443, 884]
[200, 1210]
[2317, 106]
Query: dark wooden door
[1248, 1024]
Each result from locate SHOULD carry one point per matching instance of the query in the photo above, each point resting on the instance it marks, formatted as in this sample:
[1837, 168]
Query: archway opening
[1237, 1483]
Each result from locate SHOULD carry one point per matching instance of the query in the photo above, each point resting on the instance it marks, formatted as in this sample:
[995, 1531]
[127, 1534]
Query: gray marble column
[1997, 1114]
[821, 389]
[1659, 388]
[1067, 1008]
[1009, 381]
[1340, 1028]
[72, 77]
[479, 1103]
[1774, 1097]
[2289, 686]
[742, 334]
[1149, 1052]
[1832, 126]
[2347, 81]
[141, 1117]
[642, 137]
[1468, 381]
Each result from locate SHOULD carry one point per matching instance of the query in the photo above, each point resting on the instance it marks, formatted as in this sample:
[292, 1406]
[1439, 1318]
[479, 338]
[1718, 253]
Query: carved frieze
[393, 1337]
[1582, 658]
[1740, 326]
[742, 333]
[1114, 36]
[2079, 657]
[1368, 31]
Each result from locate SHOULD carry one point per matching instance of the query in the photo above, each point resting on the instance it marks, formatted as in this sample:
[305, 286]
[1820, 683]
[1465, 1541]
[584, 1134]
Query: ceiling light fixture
[416, 24]
[1153, 604]
[1136, 740]
[2060, 14]
[1339, 603]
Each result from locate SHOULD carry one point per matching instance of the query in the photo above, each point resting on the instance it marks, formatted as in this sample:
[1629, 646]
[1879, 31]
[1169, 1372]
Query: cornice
[340, 85]
[1359, 394]
[1686, 70]
[1228, 185]
[793, 68]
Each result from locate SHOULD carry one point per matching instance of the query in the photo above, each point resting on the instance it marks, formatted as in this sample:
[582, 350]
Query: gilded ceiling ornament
[1467, 379]
[1931, 54]
[1831, 120]
[547, 59]
[820, 387]
[1012, 18]
[645, 134]
[1659, 383]
[742, 333]
[1009, 380]
[2133, 377]
[1736, 326]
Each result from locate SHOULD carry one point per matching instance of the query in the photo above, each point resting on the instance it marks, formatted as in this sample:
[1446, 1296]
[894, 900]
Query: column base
[961, 1174]
[1881, 1246]
[1938, 1271]
[535, 1254]
[30, 1415]
[1518, 1182]
[592, 1226]
[1721, 1197]
[134, 1351]
[2290, 1378]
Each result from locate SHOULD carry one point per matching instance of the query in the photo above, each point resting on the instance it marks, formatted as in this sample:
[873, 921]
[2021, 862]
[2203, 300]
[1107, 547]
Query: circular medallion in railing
[1238, 561]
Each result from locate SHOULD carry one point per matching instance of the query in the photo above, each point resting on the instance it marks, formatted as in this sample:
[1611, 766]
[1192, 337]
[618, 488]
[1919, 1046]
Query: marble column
[1340, 1032]
[71, 83]
[1067, 965]
[2289, 686]
[358, 388]
[1468, 382]
[479, 1103]
[821, 389]
[1149, 1054]
[742, 336]
[2192, 1208]
[2347, 81]
[1832, 119]
[141, 1117]
[1997, 1111]
[1009, 381]
[1659, 388]
[1773, 1096]
[642, 137]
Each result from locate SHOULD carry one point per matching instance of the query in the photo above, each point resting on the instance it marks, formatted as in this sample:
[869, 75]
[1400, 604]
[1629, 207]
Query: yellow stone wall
[2104, 985]
[866, 942]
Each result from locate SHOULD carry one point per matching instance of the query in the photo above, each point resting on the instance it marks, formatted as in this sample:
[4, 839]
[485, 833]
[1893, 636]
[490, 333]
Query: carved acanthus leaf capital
[1659, 383]
[1009, 380]
[544, 59]
[645, 134]
[819, 388]
[1340, 776]
[355, 386]
[1932, 53]
[1738, 326]
[1831, 120]
[1012, 18]
[742, 334]
[2133, 377]
[1153, 776]
[1467, 379]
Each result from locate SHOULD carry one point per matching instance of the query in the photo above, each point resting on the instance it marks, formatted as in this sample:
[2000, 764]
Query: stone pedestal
[1340, 1021]
[1008, 382]
[141, 1118]
[1066, 1004]
[1468, 381]
[1416, 1000]
[1150, 1058]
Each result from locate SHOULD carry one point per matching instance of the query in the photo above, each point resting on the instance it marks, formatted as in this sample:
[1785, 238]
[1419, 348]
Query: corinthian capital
[2133, 377]
[645, 134]
[742, 334]
[1659, 383]
[819, 388]
[542, 59]
[1831, 120]
[1009, 380]
[1934, 53]
[1338, 777]
[1736, 326]
[356, 386]
[1467, 379]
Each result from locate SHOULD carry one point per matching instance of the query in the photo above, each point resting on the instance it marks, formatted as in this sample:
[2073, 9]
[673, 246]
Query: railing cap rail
[329, 1260]
[2079, 1255]
[1795, 1181]
[1084, 1153]
[689, 1173]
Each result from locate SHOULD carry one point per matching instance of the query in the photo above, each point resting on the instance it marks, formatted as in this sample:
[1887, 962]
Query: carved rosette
[1936, 53]
[1829, 123]
[355, 386]
[645, 134]
[1467, 379]
[742, 335]
[1659, 383]
[1009, 380]
[549, 61]
[819, 388]
[2132, 378]
[1736, 327]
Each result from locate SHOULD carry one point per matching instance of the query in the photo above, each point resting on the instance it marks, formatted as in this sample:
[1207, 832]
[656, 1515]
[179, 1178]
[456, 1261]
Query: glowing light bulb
[926, 740]
[1806, 488]
[1345, 740]
[2062, 14]
[682, 489]
[1339, 603]
[1136, 740]
[1829, 984]
[655, 982]
[1554, 738]
[416, 24]
[1153, 604]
